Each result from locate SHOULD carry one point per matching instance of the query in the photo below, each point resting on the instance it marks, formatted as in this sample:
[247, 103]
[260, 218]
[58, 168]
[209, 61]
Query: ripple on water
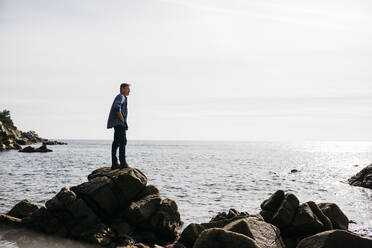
[203, 177]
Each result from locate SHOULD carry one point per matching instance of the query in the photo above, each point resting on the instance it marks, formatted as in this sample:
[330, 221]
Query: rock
[53, 142]
[122, 228]
[265, 234]
[286, 212]
[100, 234]
[219, 238]
[74, 213]
[335, 239]
[140, 211]
[128, 182]
[98, 193]
[148, 190]
[11, 137]
[327, 224]
[294, 171]
[191, 233]
[30, 149]
[229, 215]
[166, 221]
[334, 213]
[362, 178]
[108, 210]
[193, 230]
[9, 221]
[305, 222]
[271, 205]
[22, 209]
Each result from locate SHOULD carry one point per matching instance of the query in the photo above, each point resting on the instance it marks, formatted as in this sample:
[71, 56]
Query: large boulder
[334, 213]
[335, 239]
[140, 211]
[286, 211]
[193, 230]
[362, 178]
[271, 205]
[128, 183]
[265, 234]
[98, 193]
[306, 222]
[166, 220]
[220, 238]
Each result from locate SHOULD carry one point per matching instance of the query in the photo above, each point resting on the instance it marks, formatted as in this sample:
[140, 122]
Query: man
[118, 120]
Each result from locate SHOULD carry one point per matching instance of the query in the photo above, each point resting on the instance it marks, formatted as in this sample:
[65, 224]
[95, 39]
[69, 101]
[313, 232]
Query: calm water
[203, 177]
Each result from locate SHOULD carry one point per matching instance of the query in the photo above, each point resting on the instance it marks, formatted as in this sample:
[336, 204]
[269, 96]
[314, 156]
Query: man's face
[125, 91]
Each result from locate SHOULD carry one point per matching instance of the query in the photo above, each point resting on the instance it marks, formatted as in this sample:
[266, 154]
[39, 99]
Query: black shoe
[123, 165]
[115, 166]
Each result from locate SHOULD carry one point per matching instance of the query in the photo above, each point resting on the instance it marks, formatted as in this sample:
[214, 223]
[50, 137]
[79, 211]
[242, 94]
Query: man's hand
[120, 116]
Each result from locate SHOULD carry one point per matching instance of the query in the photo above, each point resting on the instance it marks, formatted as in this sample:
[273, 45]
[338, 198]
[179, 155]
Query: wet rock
[334, 213]
[362, 178]
[22, 209]
[335, 239]
[220, 238]
[30, 149]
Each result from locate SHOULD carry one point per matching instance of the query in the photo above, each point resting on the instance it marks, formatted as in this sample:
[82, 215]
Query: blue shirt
[120, 104]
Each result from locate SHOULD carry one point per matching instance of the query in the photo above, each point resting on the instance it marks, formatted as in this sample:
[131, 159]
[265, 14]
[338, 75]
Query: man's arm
[117, 106]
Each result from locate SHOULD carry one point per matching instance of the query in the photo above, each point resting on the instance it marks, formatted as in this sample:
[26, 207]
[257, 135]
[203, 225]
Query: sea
[203, 177]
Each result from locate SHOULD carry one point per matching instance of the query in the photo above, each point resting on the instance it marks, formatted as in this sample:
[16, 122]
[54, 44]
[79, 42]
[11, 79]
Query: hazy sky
[200, 69]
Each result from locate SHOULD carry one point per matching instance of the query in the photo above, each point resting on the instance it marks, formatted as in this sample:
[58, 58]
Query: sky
[199, 70]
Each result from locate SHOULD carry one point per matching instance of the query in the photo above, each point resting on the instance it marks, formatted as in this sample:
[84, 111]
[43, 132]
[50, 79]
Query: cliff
[11, 137]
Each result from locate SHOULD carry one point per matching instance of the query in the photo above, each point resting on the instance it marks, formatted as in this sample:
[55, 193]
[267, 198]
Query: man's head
[125, 89]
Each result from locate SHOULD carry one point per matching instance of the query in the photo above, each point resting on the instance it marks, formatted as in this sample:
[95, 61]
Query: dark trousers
[120, 140]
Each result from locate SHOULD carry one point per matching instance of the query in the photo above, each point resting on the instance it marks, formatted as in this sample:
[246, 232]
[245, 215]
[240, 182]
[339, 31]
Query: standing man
[118, 120]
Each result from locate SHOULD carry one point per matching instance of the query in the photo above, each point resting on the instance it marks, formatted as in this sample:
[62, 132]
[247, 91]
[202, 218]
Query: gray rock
[362, 178]
[286, 212]
[220, 238]
[334, 213]
[265, 234]
[335, 239]
[305, 222]
[140, 211]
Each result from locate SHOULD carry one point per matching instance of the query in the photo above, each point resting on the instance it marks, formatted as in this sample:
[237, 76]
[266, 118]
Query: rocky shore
[362, 178]
[116, 208]
[113, 208]
[11, 137]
